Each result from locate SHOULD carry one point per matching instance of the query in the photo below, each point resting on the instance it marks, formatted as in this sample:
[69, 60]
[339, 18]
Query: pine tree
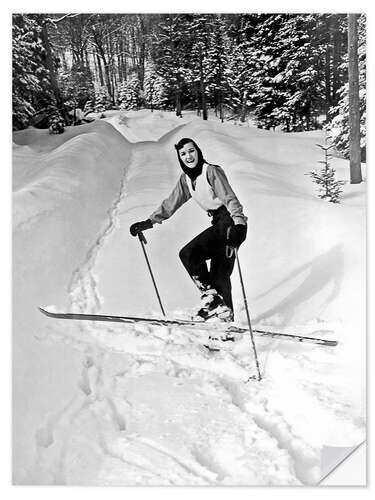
[286, 82]
[121, 94]
[102, 99]
[300, 77]
[240, 74]
[154, 89]
[171, 54]
[217, 64]
[266, 89]
[283, 68]
[31, 87]
[338, 127]
[199, 28]
[329, 187]
[89, 107]
[77, 84]
[129, 93]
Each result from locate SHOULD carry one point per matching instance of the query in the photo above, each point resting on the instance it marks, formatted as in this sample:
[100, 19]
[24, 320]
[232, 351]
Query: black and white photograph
[189, 202]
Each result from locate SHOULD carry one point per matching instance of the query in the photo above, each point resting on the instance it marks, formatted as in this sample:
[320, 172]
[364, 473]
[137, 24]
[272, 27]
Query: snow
[113, 404]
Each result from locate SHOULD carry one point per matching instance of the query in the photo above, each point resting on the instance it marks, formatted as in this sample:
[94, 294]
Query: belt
[218, 211]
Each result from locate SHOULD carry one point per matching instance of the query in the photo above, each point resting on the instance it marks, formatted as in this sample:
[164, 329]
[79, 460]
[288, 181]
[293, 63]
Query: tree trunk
[202, 85]
[336, 60]
[178, 102]
[119, 60]
[111, 71]
[99, 63]
[328, 58]
[221, 110]
[102, 57]
[354, 111]
[243, 107]
[142, 50]
[51, 66]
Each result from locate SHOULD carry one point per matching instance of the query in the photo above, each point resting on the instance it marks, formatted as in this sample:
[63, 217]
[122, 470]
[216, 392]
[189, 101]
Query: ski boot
[213, 306]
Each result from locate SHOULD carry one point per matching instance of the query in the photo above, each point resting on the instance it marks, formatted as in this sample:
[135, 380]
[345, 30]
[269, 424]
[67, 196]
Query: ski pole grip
[142, 238]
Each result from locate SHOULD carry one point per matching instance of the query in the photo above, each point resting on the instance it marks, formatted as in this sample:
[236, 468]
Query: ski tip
[332, 343]
[43, 311]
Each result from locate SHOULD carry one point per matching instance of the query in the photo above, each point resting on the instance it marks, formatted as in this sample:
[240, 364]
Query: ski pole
[143, 242]
[248, 316]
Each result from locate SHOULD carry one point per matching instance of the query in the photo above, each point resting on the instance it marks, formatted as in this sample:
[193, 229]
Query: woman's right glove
[138, 227]
[237, 235]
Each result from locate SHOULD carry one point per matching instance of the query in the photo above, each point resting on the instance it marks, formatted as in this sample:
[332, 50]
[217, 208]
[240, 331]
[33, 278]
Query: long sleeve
[222, 189]
[178, 197]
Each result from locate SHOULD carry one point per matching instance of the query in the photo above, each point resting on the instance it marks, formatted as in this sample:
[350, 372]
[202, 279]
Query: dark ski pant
[211, 245]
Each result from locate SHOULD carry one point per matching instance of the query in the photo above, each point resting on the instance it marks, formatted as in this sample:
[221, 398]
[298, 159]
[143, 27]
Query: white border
[352, 467]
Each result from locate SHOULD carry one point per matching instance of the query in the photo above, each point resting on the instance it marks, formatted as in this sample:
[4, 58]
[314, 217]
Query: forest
[278, 71]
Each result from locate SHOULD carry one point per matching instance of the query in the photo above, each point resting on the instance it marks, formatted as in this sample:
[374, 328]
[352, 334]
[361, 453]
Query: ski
[187, 323]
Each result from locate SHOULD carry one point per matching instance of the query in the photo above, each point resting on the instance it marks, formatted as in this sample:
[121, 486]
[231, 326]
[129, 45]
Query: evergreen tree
[154, 89]
[217, 64]
[239, 76]
[285, 68]
[338, 127]
[264, 53]
[121, 94]
[102, 99]
[329, 188]
[171, 53]
[286, 84]
[300, 77]
[31, 88]
[129, 93]
[77, 84]
[89, 107]
[199, 28]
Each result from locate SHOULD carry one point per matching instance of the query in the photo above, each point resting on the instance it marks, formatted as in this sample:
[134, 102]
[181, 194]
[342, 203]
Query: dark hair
[197, 170]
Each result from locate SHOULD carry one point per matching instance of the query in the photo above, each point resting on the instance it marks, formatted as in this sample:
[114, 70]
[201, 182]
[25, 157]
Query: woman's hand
[138, 227]
[237, 235]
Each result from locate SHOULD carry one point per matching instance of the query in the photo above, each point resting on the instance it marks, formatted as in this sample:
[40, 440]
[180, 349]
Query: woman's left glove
[237, 235]
[138, 227]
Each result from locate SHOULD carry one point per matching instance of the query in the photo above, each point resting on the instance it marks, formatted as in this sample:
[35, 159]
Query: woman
[208, 185]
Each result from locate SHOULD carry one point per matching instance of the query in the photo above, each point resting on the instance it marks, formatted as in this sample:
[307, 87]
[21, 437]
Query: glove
[237, 235]
[137, 227]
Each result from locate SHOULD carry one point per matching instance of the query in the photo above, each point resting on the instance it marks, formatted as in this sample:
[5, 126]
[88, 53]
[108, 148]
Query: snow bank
[64, 187]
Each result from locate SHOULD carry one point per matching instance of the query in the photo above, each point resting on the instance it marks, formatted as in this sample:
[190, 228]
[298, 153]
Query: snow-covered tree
[338, 128]
[89, 107]
[102, 99]
[76, 84]
[199, 28]
[154, 88]
[286, 84]
[218, 72]
[31, 87]
[121, 95]
[129, 93]
[171, 54]
[238, 75]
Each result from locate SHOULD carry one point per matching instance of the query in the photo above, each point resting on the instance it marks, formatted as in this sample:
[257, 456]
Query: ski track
[98, 418]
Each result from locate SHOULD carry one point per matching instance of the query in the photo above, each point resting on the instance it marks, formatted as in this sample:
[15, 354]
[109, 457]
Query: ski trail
[83, 289]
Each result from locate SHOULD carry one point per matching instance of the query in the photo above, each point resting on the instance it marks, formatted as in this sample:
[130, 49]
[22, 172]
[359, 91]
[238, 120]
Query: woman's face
[189, 155]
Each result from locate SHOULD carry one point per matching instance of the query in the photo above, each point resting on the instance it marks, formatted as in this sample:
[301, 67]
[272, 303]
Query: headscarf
[197, 170]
